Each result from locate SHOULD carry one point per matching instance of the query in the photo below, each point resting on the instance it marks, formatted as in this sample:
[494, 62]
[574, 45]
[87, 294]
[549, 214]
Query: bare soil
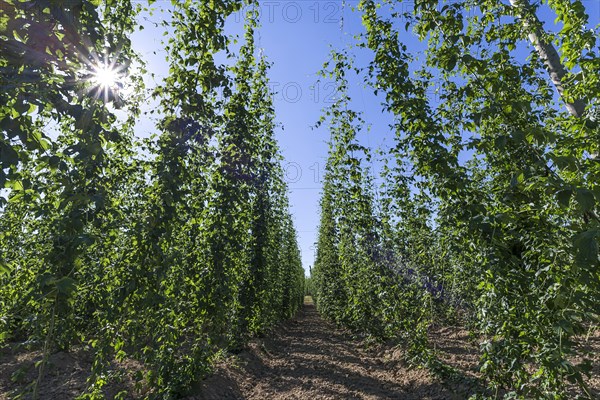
[309, 358]
[306, 358]
[65, 375]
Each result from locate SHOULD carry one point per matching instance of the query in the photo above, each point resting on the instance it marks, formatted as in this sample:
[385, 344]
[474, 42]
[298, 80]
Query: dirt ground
[65, 375]
[310, 359]
[306, 358]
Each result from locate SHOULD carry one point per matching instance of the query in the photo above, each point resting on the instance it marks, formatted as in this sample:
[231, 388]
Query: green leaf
[451, 62]
[500, 142]
[8, 155]
[516, 179]
[66, 285]
[18, 37]
[564, 197]
[4, 19]
[4, 268]
[586, 244]
[586, 199]
[15, 185]
[45, 144]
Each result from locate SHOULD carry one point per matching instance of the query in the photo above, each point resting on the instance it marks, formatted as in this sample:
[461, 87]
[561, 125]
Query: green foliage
[506, 241]
[166, 251]
[173, 249]
[511, 234]
[360, 281]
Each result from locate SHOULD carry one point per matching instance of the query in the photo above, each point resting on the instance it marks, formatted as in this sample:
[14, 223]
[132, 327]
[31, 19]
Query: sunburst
[105, 76]
[105, 79]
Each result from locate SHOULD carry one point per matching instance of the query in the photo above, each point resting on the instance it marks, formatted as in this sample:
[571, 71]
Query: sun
[105, 79]
[105, 76]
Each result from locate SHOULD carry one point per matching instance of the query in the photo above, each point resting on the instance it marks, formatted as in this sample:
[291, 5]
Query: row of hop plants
[169, 250]
[486, 209]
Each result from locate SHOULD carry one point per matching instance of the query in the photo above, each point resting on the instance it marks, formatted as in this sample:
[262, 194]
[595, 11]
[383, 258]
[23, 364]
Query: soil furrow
[309, 358]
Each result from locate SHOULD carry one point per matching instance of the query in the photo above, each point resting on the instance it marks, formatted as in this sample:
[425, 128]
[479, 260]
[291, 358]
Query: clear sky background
[297, 36]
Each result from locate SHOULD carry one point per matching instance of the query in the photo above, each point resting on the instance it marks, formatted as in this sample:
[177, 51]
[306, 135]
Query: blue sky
[297, 36]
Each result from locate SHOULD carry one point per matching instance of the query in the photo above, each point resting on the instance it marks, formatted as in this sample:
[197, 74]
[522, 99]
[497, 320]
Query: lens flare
[105, 80]
[105, 77]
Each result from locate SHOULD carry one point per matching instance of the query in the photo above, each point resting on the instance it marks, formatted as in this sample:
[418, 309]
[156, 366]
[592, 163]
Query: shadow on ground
[309, 359]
